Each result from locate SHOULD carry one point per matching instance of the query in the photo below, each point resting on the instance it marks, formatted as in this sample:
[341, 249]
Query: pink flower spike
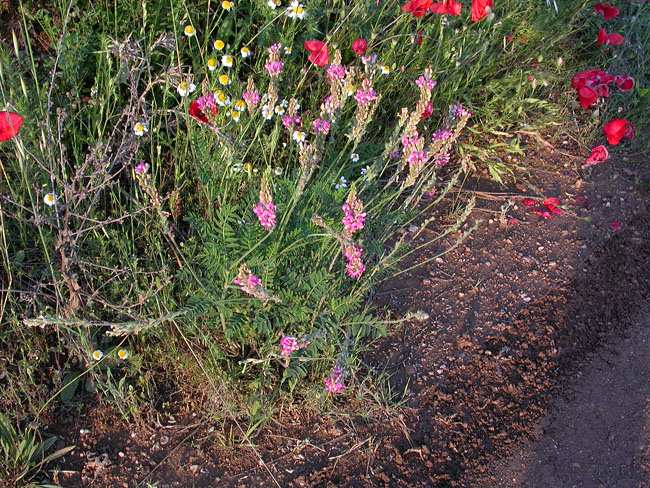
[334, 383]
[288, 345]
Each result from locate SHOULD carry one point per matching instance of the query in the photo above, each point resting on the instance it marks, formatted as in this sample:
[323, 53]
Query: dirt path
[598, 434]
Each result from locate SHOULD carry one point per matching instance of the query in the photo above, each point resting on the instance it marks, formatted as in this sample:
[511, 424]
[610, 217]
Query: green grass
[147, 265]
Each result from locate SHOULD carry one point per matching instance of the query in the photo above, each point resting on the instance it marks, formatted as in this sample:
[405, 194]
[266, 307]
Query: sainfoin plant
[218, 207]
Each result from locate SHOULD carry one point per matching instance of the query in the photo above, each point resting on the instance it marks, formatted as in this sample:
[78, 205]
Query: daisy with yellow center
[50, 199]
[235, 115]
[227, 60]
[140, 128]
[240, 105]
[97, 355]
[245, 52]
[212, 64]
[184, 88]
[299, 136]
[227, 5]
[219, 45]
[296, 10]
[279, 110]
[221, 98]
[189, 30]
[385, 70]
[224, 79]
[122, 354]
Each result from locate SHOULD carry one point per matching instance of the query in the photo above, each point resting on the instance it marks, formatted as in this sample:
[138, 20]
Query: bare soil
[509, 361]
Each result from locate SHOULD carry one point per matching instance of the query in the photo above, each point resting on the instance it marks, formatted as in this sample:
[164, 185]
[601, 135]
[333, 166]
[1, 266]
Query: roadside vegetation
[197, 198]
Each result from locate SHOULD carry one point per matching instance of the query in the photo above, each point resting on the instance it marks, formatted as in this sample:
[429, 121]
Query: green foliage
[147, 263]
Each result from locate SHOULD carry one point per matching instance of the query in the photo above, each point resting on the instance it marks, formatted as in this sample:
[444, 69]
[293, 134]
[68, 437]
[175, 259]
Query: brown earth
[515, 315]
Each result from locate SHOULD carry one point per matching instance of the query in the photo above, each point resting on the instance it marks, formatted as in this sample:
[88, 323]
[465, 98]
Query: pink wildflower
[334, 383]
[616, 225]
[441, 135]
[321, 126]
[442, 159]
[288, 345]
[417, 158]
[330, 105]
[425, 82]
[458, 111]
[365, 96]
[141, 168]
[290, 121]
[248, 283]
[408, 141]
[353, 215]
[336, 72]
[275, 48]
[266, 214]
[354, 267]
[274, 68]
[252, 98]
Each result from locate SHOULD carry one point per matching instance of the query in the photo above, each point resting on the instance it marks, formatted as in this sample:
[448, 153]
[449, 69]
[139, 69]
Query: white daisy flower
[296, 10]
[140, 128]
[354, 157]
[184, 88]
[219, 45]
[123, 354]
[245, 52]
[189, 30]
[97, 355]
[342, 183]
[267, 112]
[221, 98]
[299, 136]
[212, 64]
[224, 79]
[227, 60]
[50, 199]
[279, 110]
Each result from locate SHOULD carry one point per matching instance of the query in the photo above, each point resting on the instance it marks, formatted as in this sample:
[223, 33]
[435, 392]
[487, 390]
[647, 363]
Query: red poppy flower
[625, 83]
[446, 7]
[618, 129]
[598, 155]
[417, 8]
[199, 111]
[588, 97]
[318, 53]
[602, 90]
[607, 11]
[528, 202]
[591, 78]
[552, 205]
[359, 46]
[10, 123]
[606, 39]
[480, 9]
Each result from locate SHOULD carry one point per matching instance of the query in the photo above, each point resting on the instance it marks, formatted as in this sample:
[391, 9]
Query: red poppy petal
[615, 39]
[10, 124]
[528, 202]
